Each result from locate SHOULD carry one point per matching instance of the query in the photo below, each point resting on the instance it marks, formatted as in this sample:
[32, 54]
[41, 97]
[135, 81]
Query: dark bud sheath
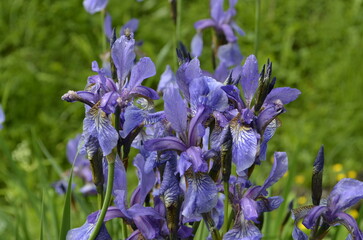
[183, 54]
[265, 85]
[226, 153]
[317, 179]
[173, 10]
[97, 171]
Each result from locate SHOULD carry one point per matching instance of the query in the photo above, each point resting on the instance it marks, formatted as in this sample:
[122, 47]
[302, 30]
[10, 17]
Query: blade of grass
[66, 218]
[42, 218]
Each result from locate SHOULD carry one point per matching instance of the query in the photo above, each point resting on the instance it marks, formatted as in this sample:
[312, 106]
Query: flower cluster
[195, 157]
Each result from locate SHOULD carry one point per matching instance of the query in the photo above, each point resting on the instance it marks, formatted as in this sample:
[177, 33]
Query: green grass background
[46, 48]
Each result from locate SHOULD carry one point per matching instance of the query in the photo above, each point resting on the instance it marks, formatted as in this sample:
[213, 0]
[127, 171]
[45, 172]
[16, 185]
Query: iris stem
[106, 202]
[103, 39]
[226, 207]
[257, 26]
[124, 229]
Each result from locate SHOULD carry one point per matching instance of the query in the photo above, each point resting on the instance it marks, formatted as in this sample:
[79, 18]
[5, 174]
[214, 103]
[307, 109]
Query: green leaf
[66, 219]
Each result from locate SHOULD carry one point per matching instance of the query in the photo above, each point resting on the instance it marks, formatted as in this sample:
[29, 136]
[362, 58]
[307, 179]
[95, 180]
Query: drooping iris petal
[175, 110]
[313, 216]
[143, 91]
[201, 24]
[345, 194]
[121, 202]
[132, 25]
[269, 204]
[98, 125]
[165, 143]
[244, 148]
[233, 93]
[243, 230]
[278, 170]
[119, 182]
[146, 181]
[201, 195]
[352, 226]
[297, 234]
[249, 209]
[249, 78]
[93, 6]
[84, 232]
[284, 94]
[134, 117]
[269, 113]
[237, 28]
[145, 68]
[267, 135]
[147, 220]
[123, 56]
[170, 188]
[197, 44]
[73, 155]
[230, 54]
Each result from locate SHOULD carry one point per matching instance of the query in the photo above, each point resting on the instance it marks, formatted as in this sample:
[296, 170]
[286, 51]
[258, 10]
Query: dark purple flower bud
[317, 178]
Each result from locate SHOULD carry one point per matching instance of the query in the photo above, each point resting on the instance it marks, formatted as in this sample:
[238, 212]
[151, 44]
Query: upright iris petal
[175, 110]
[249, 78]
[123, 56]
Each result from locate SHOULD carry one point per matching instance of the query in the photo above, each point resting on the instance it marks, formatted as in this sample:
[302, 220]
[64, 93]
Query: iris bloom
[346, 193]
[222, 22]
[253, 122]
[249, 202]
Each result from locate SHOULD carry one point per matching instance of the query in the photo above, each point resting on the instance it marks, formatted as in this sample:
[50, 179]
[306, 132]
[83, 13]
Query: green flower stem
[226, 206]
[103, 38]
[257, 26]
[124, 229]
[106, 202]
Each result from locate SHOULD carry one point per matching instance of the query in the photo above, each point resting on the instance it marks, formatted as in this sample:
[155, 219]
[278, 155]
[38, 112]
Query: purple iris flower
[2, 117]
[222, 22]
[346, 193]
[93, 6]
[254, 123]
[250, 202]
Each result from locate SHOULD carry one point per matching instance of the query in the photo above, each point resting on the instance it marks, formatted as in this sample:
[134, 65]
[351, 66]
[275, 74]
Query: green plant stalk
[124, 229]
[257, 26]
[103, 38]
[106, 202]
[226, 206]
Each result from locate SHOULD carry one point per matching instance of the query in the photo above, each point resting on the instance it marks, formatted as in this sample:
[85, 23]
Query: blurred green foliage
[47, 47]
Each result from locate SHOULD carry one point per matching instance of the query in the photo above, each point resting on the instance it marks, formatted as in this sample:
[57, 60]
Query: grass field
[47, 47]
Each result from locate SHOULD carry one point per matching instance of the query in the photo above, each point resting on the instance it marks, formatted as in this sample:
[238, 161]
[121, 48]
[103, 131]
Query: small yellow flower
[337, 167]
[301, 200]
[299, 179]
[286, 174]
[352, 174]
[354, 213]
[340, 176]
[301, 226]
